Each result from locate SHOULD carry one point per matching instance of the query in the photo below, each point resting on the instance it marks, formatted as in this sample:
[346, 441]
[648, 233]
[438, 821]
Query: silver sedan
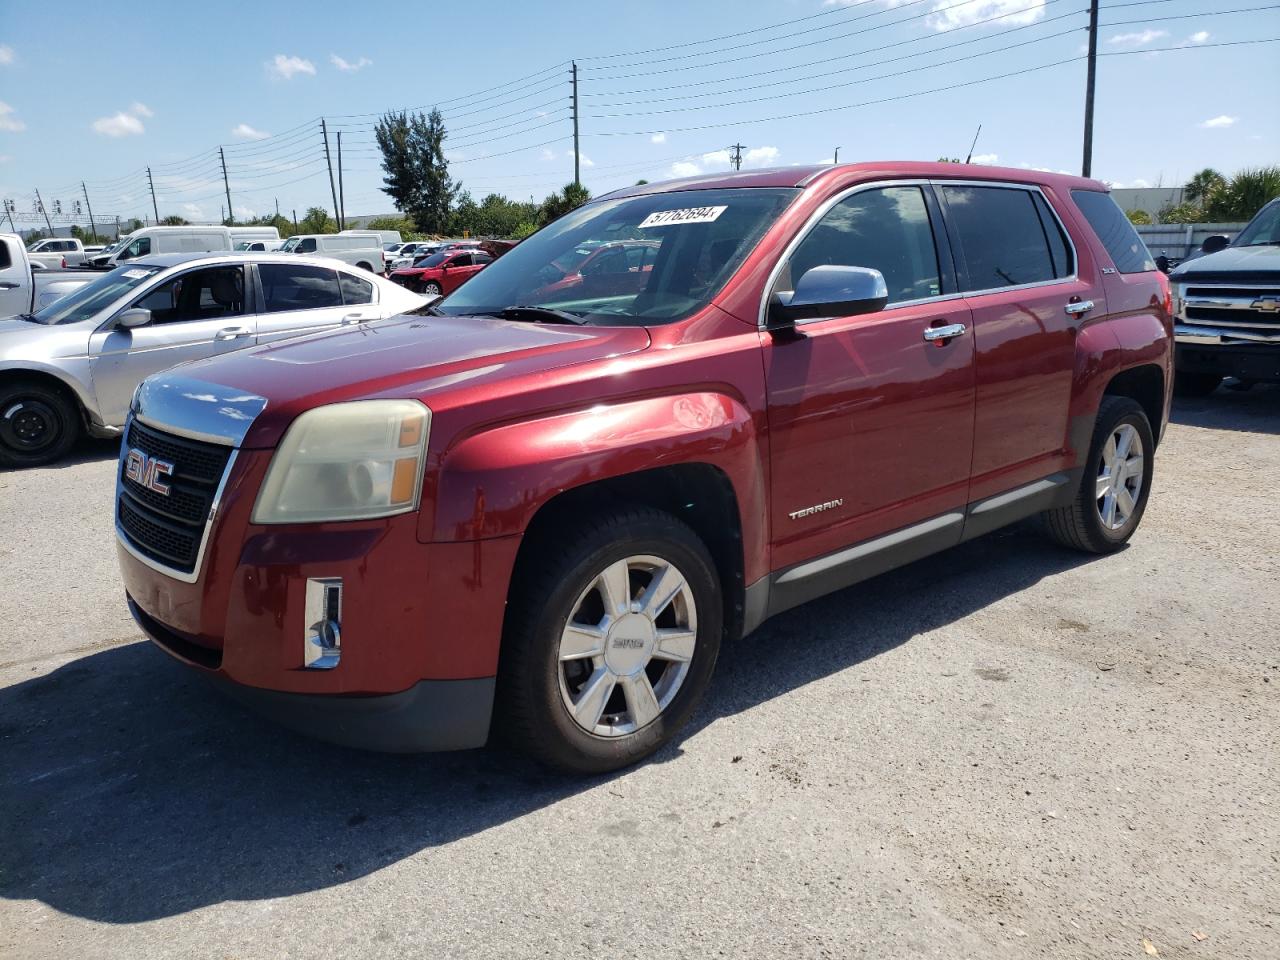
[72, 366]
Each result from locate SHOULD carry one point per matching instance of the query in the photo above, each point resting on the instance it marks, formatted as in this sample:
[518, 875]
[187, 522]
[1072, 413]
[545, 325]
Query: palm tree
[1243, 195]
[1203, 184]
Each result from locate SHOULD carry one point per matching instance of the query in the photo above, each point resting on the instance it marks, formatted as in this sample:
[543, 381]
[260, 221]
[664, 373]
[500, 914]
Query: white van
[360, 249]
[384, 236]
[185, 239]
[258, 246]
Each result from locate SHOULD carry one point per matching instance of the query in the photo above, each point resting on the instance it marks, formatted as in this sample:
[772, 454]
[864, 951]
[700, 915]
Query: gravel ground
[1004, 751]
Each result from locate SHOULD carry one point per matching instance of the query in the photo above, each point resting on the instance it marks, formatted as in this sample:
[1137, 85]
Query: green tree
[34, 236]
[1204, 183]
[173, 221]
[317, 220]
[1243, 195]
[570, 197]
[1140, 217]
[1180, 213]
[416, 172]
[403, 224]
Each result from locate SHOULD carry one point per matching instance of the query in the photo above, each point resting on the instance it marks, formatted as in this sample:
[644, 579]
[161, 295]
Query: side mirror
[1214, 244]
[134, 317]
[829, 291]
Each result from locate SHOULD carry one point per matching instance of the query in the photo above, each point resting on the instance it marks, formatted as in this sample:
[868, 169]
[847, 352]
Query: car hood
[406, 356]
[21, 340]
[1233, 263]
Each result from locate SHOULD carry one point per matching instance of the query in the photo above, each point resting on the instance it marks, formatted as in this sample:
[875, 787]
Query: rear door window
[298, 286]
[1002, 240]
[1128, 252]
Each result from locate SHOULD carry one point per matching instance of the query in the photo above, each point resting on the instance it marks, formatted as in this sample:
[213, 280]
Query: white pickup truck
[55, 252]
[20, 289]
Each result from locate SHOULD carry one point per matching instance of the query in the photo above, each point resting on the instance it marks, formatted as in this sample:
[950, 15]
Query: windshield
[432, 261]
[1263, 229]
[290, 245]
[392, 247]
[653, 259]
[83, 303]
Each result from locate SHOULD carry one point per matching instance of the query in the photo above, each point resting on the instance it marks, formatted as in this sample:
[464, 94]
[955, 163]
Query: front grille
[1232, 305]
[168, 529]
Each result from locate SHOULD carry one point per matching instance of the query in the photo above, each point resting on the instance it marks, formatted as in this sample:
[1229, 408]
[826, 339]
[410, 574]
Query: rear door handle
[945, 332]
[1079, 307]
[354, 318]
[8, 285]
[232, 333]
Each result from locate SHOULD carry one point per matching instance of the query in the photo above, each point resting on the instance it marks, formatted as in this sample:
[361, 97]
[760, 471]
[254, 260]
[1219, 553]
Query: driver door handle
[8, 285]
[945, 332]
[232, 333]
[1078, 308]
[351, 318]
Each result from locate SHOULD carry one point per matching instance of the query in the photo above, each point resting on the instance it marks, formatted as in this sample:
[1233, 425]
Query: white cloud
[1217, 123]
[140, 109]
[582, 158]
[1201, 36]
[246, 132]
[986, 159]
[1134, 40]
[8, 122]
[548, 154]
[192, 211]
[658, 138]
[6, 55]
[683, 168]
[246, 213]
[949, 15]
[719, 158]
[286, 67]
[347, 66]
[760, 155]
[5, 158]
[120, 125]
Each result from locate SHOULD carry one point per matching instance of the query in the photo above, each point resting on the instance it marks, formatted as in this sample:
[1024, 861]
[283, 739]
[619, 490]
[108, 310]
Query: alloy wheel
[1119, 482]
[627, 645]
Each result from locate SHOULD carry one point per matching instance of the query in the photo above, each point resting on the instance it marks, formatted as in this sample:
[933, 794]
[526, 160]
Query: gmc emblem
[146, 471]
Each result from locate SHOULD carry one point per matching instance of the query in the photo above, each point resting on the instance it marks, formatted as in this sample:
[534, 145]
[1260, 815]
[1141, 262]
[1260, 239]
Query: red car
[620, 266]
[442, 273]
[548, 512]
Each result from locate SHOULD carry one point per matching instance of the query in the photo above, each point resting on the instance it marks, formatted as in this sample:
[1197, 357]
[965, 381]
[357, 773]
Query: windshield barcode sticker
[136, 274]
[689, 215]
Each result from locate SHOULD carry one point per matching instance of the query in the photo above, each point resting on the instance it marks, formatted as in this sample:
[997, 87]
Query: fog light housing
[322, 615]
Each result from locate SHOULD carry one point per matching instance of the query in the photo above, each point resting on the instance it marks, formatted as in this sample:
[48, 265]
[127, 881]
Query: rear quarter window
[1128, 252]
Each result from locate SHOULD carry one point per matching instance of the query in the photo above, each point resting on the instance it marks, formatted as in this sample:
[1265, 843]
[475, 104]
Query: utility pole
[92, 226]
[576, 180]
[277, 199]
[295, 221]
[225, 182]
[324, 129]
[736, 157]
[836, 158]
[342, 197]
[40, 204]
[1086, 167]
[8, 209]
[151, 183]
[117, 226]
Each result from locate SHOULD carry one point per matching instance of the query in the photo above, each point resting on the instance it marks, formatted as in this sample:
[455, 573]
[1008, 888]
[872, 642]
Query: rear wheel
[1195, 384]
[38, 425]
[365, 266]
[610, 643]
[1117, 481]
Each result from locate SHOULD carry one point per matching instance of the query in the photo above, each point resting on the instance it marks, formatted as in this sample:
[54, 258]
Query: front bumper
[1256, 362]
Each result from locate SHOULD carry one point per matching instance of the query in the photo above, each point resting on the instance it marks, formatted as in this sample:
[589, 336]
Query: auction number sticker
[136, 274]
[665, 218]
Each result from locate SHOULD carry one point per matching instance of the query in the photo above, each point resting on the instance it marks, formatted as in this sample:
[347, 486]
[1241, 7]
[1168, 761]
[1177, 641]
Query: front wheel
[610, 642]
[431, 289]
[1113, 492]
[38, 425]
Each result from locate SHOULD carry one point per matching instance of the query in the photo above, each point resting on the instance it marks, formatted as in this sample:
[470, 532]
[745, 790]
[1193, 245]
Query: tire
[1195, 384]
[431, 289]
[38, 425]
[364, 266]
[585, 712]
[1084, 524]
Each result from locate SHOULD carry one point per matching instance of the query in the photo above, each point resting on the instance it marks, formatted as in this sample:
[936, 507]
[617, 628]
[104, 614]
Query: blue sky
[97, 92]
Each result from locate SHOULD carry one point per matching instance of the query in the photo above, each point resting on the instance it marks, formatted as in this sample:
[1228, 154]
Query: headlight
[347, 461]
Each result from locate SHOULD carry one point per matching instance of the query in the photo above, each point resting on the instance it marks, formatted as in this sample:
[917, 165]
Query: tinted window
[1059, 250]
[1263, 229]
[306, 245]
[139, 248]
[355, 290]
[6, 259]
[1001, 239]
[198, 295]
[433, 261]
[461, 260]
[885, 229]
[1128, 252]
[298, 286]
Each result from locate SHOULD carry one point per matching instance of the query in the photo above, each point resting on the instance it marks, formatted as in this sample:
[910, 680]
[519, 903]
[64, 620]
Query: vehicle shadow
[1252, 411]
[132, 791]
[86, 450]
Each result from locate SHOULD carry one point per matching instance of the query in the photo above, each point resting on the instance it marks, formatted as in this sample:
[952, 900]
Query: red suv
[547, 509]
[443, 272]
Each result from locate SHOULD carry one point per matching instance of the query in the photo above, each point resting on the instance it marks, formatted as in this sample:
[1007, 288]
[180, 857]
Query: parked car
[72, 366]
[56, 253]
[544, 514]
[409, 253]
[616, 266]
[363, 250]
[182, 239]
[258, 246]
[1227, 305]
[24, 289]
[442, 273]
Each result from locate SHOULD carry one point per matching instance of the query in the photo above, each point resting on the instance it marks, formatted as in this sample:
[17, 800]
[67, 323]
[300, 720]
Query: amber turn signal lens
[403, 481]
[410, 431]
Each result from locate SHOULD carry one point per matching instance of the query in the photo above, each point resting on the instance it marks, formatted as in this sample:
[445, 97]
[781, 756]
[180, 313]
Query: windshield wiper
[1261, 243]
[536, 314]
